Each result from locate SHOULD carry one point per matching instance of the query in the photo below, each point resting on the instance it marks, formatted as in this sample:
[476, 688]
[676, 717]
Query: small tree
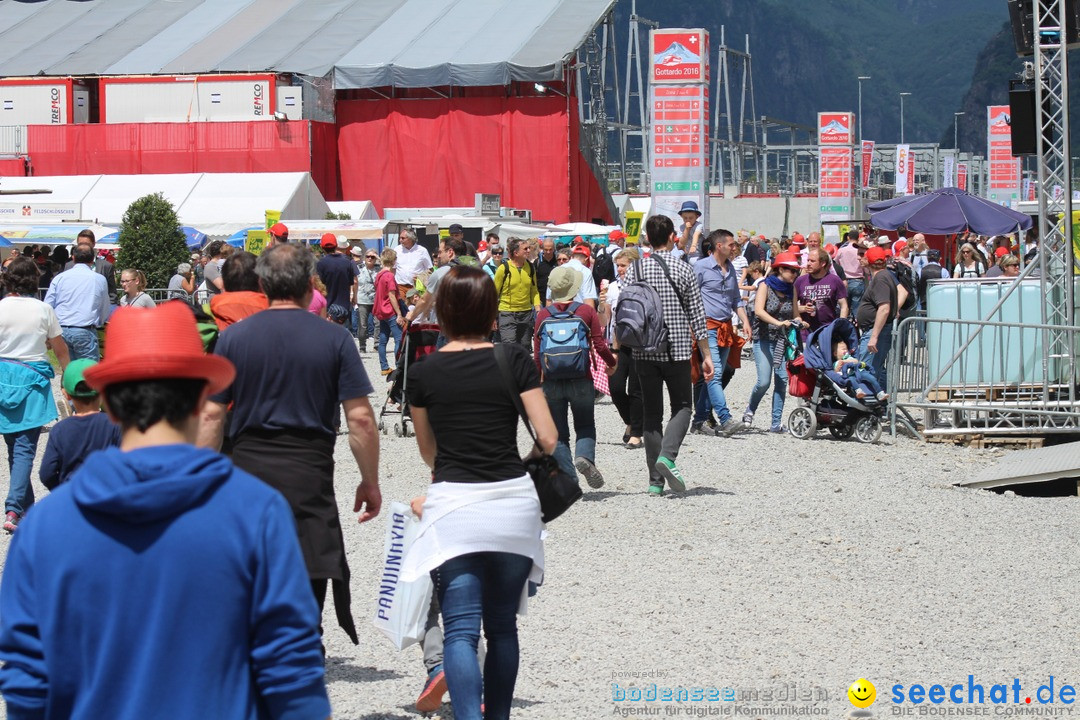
[151, 240]
[331, 215]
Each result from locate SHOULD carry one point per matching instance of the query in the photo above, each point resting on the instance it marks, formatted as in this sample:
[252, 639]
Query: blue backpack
[564, 345]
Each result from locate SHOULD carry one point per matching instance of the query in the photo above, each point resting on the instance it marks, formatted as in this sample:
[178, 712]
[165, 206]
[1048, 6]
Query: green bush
[151, 240]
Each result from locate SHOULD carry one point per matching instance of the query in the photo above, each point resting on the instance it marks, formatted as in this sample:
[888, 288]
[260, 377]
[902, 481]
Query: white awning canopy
[200, 199]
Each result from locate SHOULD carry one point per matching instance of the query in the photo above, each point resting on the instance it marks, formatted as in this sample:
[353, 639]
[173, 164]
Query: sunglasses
[371, 257]
[496, 252]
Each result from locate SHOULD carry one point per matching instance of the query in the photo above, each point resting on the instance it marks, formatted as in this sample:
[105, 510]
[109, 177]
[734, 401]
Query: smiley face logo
[862, 693]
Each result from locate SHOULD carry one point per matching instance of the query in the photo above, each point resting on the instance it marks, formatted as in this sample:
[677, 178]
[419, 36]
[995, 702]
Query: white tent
[245, 198]
[215, 203]
[355, 209]
[32, 199]
[111, 194]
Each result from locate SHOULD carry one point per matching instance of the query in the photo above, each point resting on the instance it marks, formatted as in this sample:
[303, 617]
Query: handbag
[556, 489]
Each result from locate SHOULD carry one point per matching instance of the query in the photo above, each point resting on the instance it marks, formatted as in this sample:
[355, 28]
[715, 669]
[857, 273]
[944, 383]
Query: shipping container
[188, 98]
[43, 101]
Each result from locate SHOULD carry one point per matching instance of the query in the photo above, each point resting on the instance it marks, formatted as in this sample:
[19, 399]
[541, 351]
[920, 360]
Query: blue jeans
[766, 373]
[82, 343]
[21, 447]
[855, 289]
[386, 329]
[576, 396]
[877, 360]
[471, 588]
[715, 387]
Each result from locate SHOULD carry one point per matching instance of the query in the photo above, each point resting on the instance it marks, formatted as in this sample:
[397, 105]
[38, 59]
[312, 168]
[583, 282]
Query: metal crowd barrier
[955, 376]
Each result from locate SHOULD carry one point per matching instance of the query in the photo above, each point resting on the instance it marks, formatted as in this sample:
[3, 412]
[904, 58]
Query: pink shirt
[318, 302]
[847, 257]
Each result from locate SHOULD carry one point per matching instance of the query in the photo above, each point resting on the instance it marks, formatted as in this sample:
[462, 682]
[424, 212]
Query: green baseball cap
[73, 376]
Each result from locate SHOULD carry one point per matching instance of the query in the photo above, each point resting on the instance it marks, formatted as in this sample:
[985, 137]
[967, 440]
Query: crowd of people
[147, 508]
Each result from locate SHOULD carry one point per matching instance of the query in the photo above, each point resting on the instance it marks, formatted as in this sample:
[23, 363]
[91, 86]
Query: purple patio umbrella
[885, 204]
[951, 210]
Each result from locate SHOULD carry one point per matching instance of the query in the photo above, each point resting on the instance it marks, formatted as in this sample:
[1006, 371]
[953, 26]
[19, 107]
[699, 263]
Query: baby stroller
[418, 342]
[827, 403]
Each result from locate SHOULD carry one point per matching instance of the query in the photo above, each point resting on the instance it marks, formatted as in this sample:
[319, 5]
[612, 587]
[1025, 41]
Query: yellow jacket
[516, 287]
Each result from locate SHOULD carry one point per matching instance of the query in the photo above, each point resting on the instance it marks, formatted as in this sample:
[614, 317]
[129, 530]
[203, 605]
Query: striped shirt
[681, 329]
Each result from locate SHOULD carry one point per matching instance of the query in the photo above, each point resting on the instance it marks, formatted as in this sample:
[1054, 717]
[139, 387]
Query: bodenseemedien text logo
[1049, 698]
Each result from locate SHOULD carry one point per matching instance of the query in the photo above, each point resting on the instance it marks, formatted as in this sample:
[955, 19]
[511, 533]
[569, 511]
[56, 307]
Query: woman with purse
[480, 521]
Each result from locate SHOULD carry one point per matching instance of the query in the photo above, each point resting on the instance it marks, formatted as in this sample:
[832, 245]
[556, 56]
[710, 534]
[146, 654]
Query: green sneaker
[656, 490]
[671, 473]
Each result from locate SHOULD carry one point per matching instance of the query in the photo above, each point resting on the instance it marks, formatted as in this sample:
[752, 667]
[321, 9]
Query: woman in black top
[480, 522]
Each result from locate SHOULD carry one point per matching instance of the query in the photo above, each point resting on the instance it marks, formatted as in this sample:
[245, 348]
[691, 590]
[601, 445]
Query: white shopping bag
[401, 608]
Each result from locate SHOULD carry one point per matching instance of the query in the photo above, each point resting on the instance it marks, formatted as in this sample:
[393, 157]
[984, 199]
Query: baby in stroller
[852, 374]
[830, 382]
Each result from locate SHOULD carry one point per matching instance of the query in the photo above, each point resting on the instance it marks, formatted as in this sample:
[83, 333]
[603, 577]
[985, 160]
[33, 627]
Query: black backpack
[903, 276]
[603, 268]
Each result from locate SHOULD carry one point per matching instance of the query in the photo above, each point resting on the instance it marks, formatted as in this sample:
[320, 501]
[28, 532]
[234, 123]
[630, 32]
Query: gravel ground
[788, 570]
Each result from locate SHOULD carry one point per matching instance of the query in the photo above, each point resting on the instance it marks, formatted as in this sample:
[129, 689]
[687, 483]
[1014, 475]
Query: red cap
[279, 229]
[328, 241]
[898, 246]
[617, 235]
[482, 246]
[1001, 252]
[876, 254]
[788, 260]
[155, 344]
[582, 249]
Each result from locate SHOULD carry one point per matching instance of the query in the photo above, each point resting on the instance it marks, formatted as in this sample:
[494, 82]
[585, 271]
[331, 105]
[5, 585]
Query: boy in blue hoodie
[159, 581]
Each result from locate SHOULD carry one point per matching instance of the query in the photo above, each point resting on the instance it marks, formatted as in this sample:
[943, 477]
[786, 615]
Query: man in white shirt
[587, 293]
[80, 297]
[412, 260]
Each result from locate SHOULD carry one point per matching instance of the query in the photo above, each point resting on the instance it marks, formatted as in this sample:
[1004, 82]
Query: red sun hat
[328, 241]
[157, 344]
[788, 260]
[876, 254]
[798, 239]
[1001, 252]
[279, 229]
[831, 249]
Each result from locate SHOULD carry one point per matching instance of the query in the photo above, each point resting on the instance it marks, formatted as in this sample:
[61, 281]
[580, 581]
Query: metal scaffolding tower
[733, 150]
[1055, 185]
[632, 109]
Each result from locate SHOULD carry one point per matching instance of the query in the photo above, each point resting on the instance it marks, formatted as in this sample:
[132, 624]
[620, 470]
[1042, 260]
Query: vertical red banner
[867, 161]
[961, 176]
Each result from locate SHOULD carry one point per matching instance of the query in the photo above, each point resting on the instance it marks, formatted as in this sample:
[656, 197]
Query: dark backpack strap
[510, 386]
[667, 274]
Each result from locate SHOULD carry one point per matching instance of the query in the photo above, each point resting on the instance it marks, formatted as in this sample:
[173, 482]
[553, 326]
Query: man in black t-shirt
[338, 274]
[293, 373]
[875, 315]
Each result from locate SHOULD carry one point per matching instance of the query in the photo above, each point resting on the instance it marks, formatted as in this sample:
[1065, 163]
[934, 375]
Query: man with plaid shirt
[684, 316]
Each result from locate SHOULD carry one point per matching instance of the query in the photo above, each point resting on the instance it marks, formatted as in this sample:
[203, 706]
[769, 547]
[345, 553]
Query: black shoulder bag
[557, 490]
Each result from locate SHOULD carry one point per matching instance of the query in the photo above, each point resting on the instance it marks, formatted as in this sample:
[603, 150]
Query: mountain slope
[807, 55]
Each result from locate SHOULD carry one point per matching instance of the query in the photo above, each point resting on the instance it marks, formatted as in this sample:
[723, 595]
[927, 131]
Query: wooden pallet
[976, 440]
[989, 394]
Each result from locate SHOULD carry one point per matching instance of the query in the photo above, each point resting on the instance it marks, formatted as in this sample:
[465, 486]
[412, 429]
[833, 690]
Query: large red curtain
[439, 153]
